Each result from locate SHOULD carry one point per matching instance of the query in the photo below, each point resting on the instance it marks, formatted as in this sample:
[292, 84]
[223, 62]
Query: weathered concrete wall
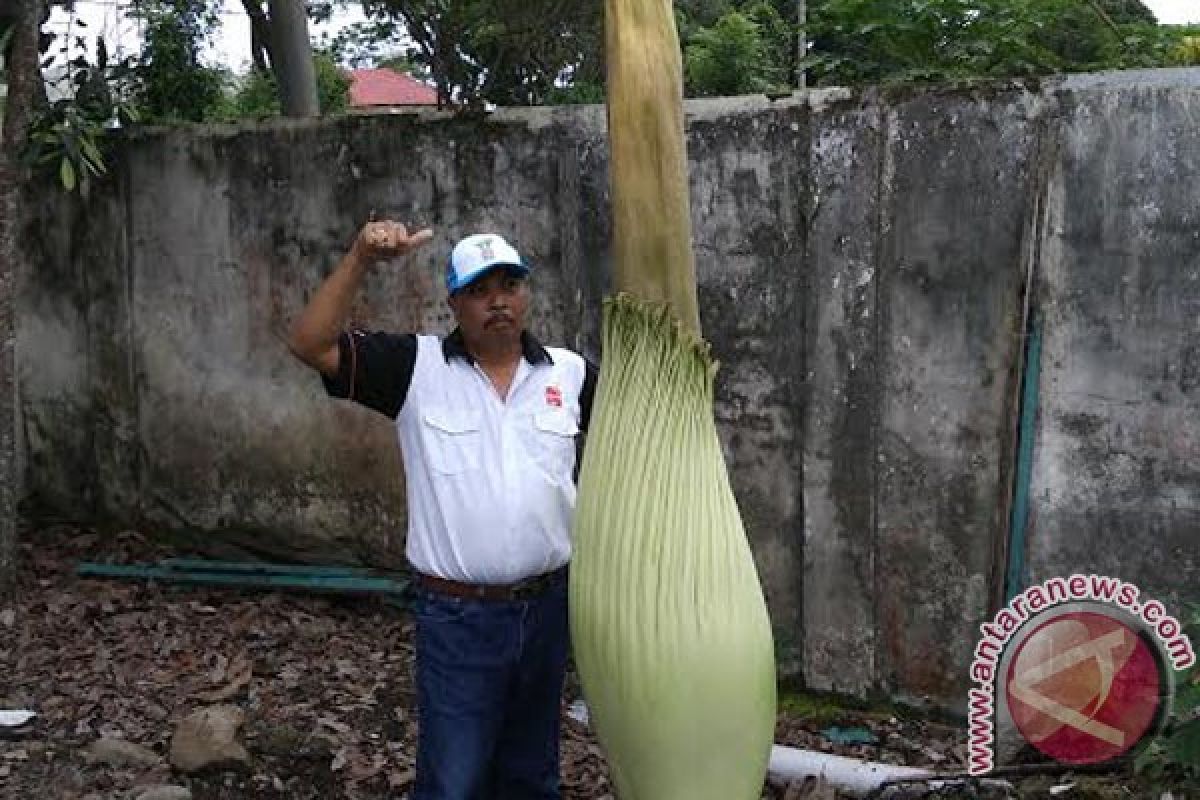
[1116, 478]
[949, 308]
[841, 341]
[921, 210]
[207, 422]
[862, 263]
[747, 214]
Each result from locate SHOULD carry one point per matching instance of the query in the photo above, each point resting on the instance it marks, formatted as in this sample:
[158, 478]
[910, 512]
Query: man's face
[494, 306]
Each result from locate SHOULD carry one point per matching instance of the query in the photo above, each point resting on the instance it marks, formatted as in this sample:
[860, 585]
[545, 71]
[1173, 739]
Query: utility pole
[801, 42]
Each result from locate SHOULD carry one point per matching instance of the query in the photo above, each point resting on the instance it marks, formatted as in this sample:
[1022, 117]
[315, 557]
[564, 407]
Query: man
[487, 420]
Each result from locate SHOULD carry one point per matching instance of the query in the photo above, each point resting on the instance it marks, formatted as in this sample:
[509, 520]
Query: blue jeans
[489, 688]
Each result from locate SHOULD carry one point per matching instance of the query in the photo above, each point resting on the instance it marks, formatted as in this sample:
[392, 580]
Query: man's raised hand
[387, 239]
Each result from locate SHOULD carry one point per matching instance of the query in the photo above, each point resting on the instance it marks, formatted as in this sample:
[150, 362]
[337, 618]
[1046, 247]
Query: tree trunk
[260, 35]
[23, 78]
[426, 31]
[294, 69]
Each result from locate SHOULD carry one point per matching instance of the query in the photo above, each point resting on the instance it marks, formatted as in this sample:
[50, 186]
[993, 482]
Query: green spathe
[671, 633]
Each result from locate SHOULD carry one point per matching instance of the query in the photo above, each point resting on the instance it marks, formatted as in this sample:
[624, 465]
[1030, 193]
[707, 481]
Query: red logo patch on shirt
[554, 396]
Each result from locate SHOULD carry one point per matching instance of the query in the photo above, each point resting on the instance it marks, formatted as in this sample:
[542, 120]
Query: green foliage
[779, 35]
[1079, 37]
[889, 41]
[516, 52]
[370, 43]
[378, 42]
[702, 13]
[1127, 12]
[1187, 52]
[577, 93]
[258, 96]
[1173, 761]
[406, 64]
[173, 84]
[333, 85]
[66, 139]
[507, 52]
[735, 46]
[66, 143]
[1146, 45]
[731, 57]
[872, 41]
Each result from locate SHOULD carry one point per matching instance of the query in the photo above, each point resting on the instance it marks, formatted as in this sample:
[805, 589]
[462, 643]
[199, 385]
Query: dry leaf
[400, 779]
[240, 672]
[333, 724]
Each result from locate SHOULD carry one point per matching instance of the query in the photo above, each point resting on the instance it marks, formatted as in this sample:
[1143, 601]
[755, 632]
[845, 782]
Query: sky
[1175, 12]
[231, 49]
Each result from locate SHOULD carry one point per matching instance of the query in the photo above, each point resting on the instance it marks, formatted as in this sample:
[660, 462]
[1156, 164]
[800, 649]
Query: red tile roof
[385, 87]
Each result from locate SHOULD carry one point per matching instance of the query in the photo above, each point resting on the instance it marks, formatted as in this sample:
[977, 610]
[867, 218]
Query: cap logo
[485, 249]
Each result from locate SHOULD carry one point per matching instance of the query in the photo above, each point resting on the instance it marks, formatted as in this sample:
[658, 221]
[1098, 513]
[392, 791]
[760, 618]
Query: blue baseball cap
[478, 254]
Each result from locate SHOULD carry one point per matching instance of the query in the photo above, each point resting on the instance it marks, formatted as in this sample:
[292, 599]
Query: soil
[324, 683]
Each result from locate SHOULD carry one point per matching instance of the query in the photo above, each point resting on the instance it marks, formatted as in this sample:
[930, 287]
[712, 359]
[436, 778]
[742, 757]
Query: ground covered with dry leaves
[322, 684]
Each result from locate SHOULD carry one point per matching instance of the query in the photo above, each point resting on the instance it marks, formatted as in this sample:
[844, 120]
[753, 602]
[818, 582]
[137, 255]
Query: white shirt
[490, 480]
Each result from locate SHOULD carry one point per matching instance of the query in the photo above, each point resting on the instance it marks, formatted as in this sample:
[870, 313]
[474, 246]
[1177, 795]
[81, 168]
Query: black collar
[454, 346]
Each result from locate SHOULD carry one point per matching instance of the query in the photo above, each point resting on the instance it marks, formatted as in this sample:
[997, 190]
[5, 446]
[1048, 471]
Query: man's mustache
[498, 316]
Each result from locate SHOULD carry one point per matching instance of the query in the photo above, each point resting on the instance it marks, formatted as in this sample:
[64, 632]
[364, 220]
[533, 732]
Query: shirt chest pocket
[552, 443]
[453, 440]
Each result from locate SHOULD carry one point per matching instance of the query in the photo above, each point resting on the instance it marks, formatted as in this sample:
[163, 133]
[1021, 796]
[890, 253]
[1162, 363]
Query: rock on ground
[120, 753]
[208, 737]
[164, 792]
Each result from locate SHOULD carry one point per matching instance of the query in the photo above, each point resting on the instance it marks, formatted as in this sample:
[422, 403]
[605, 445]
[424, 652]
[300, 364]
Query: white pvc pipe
[14, 719]
[849, 775]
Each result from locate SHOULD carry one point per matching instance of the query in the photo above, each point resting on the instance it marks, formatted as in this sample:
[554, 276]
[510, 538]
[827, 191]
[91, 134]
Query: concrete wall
[862, 262]
[1116, 479]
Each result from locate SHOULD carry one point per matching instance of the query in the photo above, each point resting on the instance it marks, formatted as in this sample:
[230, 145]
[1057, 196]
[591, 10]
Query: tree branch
[260, 35]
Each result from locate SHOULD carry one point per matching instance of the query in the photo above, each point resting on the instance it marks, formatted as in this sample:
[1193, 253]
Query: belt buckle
[528, 587]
